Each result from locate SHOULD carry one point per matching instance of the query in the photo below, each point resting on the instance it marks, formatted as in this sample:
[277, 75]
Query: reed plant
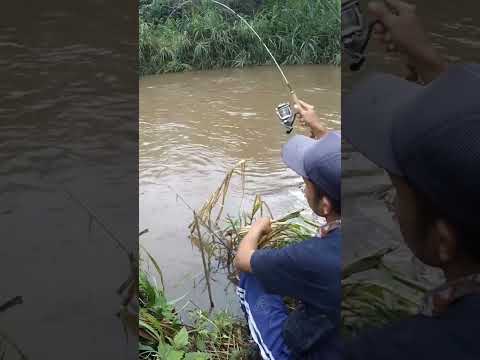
[373, 295]
[179, 36]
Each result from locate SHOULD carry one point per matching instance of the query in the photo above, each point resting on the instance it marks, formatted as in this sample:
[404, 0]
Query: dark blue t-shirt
[452, 335]
[309, 271]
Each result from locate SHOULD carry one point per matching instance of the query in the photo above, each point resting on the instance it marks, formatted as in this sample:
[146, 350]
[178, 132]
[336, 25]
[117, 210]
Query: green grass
[202, 35]
[163, 335]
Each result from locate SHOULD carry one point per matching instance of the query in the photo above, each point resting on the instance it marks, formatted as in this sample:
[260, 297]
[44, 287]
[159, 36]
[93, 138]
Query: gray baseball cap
[317, 160]
[428, 134]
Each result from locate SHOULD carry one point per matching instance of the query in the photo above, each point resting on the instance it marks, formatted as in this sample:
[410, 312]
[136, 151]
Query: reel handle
[293, 122]
[295, 102]
[361, 57]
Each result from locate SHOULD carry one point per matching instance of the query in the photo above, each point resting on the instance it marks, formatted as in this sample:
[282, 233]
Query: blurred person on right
[426, 136]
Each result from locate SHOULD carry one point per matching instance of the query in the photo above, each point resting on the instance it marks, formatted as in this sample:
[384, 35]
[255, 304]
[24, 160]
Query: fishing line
[287, 83]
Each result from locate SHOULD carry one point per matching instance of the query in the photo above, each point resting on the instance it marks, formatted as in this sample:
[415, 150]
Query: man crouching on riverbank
[308, 271]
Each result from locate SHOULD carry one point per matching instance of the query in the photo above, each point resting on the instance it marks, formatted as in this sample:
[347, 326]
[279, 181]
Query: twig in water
[99, 221]
[213, 232]
[155, 264]
[130, 286]
[17, 300]
[5, 338]
[207, 274]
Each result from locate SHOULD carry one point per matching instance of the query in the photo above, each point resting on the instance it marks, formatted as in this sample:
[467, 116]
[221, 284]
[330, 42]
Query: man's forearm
[246, 249]
[318, 131]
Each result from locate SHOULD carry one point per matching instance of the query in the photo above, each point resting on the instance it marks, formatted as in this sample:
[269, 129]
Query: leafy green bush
[162, 334]
[178, 36]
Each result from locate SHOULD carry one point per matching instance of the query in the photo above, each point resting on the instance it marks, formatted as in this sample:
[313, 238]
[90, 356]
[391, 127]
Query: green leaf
[143, 347]
[167, 352]
[155, 264]
[366, 263]
[180, 341]
[175, 355]
[149, 329]
[200, 343]
[197, 356]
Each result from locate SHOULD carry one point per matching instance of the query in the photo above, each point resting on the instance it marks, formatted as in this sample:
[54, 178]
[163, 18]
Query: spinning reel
[355, 36]
[355, 33]
[286, 116]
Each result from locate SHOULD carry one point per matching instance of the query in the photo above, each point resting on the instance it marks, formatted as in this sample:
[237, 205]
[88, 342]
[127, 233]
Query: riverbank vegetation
[176, 35]
[163, 335]
[374, 294]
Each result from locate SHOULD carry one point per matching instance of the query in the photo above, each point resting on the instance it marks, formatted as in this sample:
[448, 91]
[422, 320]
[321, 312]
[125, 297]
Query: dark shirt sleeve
[276, 270]
[308, 271]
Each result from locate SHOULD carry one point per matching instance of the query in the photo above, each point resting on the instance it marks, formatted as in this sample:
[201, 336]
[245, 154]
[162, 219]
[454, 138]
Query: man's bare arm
[250, 243]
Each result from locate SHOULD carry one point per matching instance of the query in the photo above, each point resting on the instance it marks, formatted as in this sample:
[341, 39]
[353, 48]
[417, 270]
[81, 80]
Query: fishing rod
[283, 110]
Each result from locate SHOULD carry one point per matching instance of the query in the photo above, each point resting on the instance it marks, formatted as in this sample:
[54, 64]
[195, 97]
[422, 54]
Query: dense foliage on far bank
[177, 35]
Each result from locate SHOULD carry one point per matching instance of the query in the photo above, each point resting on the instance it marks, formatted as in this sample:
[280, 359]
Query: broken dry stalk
[204, 261]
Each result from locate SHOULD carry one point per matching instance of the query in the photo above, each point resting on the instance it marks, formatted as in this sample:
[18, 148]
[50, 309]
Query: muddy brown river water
[193, 128]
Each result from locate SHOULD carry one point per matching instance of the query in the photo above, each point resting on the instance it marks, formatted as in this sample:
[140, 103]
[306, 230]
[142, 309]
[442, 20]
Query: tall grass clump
[178, 36]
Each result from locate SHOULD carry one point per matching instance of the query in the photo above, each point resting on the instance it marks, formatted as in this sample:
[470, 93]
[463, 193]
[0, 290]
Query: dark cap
[428, 134]
[317, 160]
